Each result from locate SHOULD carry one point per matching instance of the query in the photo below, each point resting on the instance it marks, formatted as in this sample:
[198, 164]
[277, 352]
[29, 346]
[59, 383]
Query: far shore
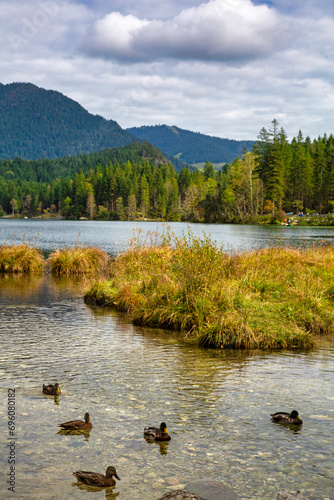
[293, 220]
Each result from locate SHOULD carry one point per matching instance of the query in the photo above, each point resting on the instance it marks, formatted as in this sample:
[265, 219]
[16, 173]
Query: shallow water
[216, 404]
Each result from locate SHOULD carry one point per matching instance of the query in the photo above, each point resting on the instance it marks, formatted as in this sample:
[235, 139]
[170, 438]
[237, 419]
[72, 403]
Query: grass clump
[78, 260]
[273, 298]
[20, 258]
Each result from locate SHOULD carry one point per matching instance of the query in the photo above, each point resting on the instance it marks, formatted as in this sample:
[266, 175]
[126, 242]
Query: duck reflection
[56, 400]
[163, 446]
[295, 429]
[109, 493]
[78, 432]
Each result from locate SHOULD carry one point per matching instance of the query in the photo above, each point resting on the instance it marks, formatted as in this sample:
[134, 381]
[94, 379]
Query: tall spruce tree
[272, 158]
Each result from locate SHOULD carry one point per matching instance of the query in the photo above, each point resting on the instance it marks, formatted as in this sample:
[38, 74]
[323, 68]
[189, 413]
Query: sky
[225, 68]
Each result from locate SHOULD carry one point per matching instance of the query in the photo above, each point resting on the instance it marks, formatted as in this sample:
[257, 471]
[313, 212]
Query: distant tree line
[137, 182]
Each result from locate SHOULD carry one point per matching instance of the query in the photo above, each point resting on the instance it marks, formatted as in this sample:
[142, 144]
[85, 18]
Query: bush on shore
[78, 260]
[272, 298]
[21, 258]
[25, 258]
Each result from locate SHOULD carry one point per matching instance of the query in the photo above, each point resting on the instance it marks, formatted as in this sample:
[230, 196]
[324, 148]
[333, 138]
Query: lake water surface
[114, 236]
[217, 404]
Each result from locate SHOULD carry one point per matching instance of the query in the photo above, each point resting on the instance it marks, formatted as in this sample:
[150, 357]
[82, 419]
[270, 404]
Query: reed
[20, 258]
[274, 298]
[78, 260]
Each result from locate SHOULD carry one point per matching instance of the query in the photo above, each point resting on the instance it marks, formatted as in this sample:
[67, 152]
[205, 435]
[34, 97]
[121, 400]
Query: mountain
[191, 147]
[38, 123]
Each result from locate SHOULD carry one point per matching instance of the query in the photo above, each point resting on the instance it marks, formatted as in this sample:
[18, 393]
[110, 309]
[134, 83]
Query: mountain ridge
[191, 147]
[36, 123]
[39, 123]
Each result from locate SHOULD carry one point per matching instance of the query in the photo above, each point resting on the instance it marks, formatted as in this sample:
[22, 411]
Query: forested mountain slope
[191, 147]
[38, 123]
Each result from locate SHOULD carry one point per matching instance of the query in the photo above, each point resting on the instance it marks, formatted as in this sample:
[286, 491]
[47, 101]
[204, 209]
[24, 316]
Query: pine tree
[272, 159]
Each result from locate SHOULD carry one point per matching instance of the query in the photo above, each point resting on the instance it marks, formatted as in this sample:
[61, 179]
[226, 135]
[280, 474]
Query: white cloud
[115, 32]
[224, 68]
[220, 30]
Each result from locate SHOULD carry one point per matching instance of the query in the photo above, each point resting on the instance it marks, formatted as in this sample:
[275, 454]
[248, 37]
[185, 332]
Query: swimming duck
[96, 479]
[53, 390]
[76, 425]
[287, 418]
[157, 434]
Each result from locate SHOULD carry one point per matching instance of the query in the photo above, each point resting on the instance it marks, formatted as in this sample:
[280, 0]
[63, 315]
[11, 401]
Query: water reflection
[82, 432]
[295, 429]
[109, 493]
[216, 404]
[163, 446]
[25, 286]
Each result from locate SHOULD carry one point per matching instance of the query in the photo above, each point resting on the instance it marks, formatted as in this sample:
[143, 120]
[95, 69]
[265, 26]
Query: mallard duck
[53, 390]
[287, 418]
[76, 425]
[157, 434]
[96, 479]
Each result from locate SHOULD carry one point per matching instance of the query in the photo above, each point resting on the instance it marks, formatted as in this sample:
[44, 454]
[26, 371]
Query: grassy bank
[273, 298]
[26, 258]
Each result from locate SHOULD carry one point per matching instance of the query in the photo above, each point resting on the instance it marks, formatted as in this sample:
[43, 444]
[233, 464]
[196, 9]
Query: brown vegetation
[21, 258]
[272, 298]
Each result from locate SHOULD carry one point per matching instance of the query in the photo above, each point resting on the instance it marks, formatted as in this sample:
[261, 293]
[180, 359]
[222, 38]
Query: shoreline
[311, 221]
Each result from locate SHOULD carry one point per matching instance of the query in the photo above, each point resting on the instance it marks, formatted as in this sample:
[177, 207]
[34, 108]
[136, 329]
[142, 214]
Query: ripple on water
[216, 405]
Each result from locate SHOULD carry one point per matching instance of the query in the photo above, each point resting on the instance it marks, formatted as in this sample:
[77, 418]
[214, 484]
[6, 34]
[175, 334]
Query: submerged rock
[180, 495]
[292, 495]
[211, 490]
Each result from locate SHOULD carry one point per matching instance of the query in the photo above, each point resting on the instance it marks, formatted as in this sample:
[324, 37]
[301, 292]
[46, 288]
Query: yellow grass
[272, 298]
[78, 260]
[21, 258]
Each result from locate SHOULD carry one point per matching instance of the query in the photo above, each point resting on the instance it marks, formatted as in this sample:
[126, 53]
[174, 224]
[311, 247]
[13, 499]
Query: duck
[287, 418]
[157, 434]
[76, 425]
[53, 390]
[97, 479]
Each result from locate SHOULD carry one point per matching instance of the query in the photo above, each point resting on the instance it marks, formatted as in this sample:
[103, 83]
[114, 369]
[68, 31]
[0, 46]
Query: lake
[216, 404]
[114, 236]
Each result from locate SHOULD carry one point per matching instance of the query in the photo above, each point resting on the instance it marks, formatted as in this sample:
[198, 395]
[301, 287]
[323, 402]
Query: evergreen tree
[144, 196]
[320, 175]
[272, 159]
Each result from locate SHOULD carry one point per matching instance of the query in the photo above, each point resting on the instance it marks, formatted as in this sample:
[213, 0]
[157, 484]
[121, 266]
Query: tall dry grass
[20, 258]
[78, 260]
[273, 298]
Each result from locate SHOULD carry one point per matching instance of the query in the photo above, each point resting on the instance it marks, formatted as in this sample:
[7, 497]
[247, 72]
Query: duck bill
[117, 476]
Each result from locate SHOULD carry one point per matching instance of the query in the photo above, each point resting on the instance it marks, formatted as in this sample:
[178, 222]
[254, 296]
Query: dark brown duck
[97, 479]
[77, 425]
